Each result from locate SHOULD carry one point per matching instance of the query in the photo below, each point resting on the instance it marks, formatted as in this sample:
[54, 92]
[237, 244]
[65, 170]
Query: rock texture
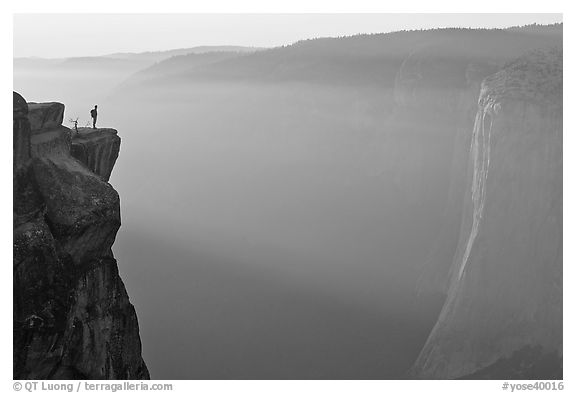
[503, 314]
[72, 316]
[45, 115]
[97, 149]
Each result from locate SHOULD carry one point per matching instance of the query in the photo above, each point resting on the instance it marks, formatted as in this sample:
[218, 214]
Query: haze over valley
[299, 212]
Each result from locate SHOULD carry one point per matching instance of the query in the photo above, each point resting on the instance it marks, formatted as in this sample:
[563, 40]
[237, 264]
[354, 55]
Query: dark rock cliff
[97, 149]
[502, 317]
[72, 316]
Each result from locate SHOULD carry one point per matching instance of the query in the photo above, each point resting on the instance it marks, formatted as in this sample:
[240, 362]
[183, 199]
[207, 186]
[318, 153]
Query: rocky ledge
[72, 317]
[97, 149]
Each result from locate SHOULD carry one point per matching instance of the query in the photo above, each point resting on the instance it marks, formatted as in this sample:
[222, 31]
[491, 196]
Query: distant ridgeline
[472, 125]
[359, 60]
[72, 315]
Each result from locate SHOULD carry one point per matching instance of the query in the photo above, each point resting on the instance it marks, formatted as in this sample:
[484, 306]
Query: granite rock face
[45, 115]
[502, 317]
[72, 315]
[440, 87]
[97, 149]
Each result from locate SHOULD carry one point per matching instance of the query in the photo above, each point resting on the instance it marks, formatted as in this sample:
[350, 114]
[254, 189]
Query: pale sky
[68, 35]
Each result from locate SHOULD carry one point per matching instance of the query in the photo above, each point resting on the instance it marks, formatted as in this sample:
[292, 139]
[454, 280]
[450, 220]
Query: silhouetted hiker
[94, 114]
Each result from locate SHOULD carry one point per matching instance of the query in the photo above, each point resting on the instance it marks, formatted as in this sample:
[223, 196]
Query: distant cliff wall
[72, 316]
[439, 94]
[503, 314]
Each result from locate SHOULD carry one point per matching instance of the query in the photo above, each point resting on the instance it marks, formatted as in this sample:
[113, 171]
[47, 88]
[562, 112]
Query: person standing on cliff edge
[94, 114]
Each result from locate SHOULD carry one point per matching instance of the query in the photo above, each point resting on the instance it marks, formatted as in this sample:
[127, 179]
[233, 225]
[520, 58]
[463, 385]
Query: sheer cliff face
[443, 90]
[72, 315]
[503, 314]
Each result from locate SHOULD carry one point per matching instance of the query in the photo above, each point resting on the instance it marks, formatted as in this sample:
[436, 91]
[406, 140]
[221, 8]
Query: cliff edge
[502, 318]
[72, 317]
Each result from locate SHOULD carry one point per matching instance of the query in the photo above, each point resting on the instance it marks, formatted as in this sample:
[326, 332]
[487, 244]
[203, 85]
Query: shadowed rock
[97, 149]
[45, 115]
[72, 316]
[21, 130]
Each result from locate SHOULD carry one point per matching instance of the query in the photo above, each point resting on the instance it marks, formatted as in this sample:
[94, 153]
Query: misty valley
[383, 206]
